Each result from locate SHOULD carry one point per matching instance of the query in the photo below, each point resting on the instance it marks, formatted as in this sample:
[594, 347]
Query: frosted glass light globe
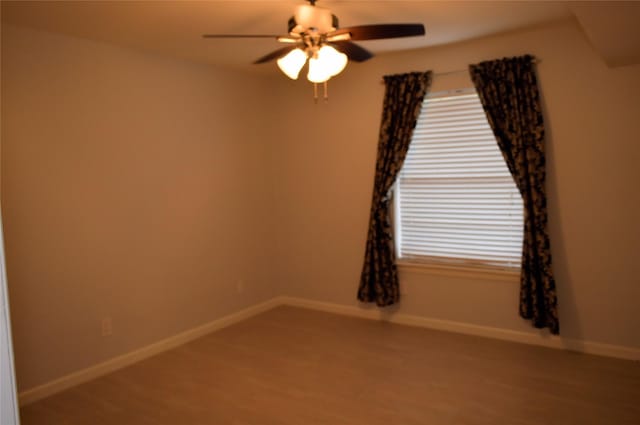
[329, 62]
[292, 63]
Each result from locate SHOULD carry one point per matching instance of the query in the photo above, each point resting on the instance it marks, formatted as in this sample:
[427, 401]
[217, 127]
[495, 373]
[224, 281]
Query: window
[456, 202]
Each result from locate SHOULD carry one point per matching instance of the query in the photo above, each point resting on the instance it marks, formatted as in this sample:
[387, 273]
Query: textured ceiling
[174, 28]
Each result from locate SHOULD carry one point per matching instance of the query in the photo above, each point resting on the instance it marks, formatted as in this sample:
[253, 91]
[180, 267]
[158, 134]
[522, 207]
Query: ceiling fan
[315, 37]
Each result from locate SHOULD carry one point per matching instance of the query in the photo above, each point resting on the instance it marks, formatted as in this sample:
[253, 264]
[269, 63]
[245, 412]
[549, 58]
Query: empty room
[320, 212]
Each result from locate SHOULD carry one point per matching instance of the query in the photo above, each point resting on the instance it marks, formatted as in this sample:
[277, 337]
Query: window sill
[484, 273]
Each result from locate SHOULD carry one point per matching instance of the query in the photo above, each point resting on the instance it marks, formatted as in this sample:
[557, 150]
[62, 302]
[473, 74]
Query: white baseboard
[533, 338]
[111, 365]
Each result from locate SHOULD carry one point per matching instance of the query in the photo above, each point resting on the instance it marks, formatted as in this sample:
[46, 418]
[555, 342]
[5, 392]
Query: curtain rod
[459, 71]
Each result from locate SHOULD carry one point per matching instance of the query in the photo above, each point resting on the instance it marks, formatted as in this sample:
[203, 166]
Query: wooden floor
[294, 366]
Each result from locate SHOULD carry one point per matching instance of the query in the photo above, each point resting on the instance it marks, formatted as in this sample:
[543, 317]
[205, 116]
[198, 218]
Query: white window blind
[456, 201]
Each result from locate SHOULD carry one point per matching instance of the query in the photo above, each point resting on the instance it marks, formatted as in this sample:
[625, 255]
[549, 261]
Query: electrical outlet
[107, 326]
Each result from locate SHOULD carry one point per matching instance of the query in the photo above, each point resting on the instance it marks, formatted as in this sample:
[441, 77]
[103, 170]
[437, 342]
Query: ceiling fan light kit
[315, 39]
[324, 63]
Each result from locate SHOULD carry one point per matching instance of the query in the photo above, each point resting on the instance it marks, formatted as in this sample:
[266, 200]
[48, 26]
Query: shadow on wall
[570, 327]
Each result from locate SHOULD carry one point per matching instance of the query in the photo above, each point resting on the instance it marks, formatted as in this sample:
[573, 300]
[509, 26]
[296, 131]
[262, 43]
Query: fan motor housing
[308, 17]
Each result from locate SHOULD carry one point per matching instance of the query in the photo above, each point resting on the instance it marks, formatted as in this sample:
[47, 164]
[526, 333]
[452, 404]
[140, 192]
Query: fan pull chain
[325, 96]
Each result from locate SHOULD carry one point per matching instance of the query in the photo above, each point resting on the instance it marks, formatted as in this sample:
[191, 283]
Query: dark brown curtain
[509, 93]
[402, 102]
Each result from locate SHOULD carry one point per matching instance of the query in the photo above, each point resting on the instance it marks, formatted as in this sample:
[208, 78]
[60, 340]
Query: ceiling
[175, 27]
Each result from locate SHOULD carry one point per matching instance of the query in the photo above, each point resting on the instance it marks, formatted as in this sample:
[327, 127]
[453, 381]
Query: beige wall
[145, 189]
[592, 112]
[132, 187]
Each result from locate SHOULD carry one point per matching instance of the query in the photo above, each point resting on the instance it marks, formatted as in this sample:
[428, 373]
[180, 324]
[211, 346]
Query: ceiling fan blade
[352, 50]
[276, 54]
[288, 39]
[373, 32]
[239, 36]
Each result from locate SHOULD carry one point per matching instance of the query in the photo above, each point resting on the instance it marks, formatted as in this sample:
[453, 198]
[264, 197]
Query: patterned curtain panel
[509, 94]
[402, 102]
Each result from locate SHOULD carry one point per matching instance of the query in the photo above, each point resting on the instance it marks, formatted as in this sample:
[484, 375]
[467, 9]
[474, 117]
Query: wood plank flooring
[295, 366]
